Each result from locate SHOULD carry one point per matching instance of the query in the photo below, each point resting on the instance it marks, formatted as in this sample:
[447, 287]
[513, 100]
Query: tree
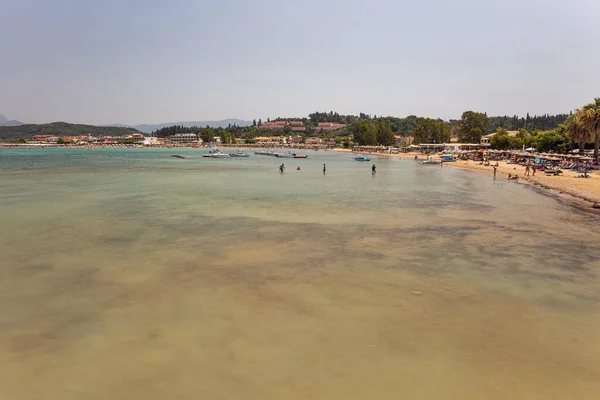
[365, 133]
[501, 141]
[553, 140]
[428, 130]
[254, 122]
[590, 119]
[442, 133]
[60, 141]
[207, 135]
[576, 131]
[385, 136]
[227, 137]
[472, 126]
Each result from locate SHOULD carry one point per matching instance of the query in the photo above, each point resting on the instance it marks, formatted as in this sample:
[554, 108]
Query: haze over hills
[6, 122]
[148, 128]
[27, 131]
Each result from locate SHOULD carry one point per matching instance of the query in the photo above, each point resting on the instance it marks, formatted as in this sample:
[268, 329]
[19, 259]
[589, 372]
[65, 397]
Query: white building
[150, 141]
[184, 138]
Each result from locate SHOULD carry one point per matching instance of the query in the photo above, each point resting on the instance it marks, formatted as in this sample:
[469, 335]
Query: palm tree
[590, 119]
[576, 131]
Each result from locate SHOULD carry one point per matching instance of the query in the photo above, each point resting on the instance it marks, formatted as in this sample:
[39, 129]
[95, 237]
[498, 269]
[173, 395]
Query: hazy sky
[146, 61]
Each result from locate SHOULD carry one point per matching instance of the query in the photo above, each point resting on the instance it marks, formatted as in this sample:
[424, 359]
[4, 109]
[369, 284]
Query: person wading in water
[324, 169]
[373, 169]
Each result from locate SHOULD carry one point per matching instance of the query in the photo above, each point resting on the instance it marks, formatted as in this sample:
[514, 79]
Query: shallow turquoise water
[129, 274]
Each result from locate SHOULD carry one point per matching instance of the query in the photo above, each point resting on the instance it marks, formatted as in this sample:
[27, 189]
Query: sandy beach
[567, 183]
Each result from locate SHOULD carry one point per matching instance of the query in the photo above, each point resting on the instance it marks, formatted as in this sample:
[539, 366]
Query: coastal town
[561, 152]
[561, 173]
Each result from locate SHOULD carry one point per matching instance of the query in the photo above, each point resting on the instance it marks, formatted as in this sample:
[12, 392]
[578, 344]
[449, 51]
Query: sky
[152, 61]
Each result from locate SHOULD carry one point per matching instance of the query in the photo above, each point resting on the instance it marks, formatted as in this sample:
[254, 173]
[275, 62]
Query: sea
[130, 274]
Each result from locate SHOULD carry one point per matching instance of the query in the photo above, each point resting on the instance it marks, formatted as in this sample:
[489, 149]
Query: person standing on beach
[533, 169]
[495, 169]
[527, 169]
[373, 169]
[324, 169]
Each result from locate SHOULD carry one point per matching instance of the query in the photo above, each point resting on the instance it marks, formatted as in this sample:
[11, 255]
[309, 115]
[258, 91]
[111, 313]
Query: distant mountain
[62, 129]
[6, 122]
[148, 128]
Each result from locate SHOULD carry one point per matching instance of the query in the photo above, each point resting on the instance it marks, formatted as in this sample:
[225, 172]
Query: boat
[300, 156]
[432, 161]
[449, 158]
[264, 153]
[177, 156]
[216, 154]
[284, 155]
[239, 154]
[362, 158]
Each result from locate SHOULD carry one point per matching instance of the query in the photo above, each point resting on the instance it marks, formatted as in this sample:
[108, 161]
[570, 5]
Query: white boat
[432, 161]
[216, 154]
[285, 155]
[264, 153]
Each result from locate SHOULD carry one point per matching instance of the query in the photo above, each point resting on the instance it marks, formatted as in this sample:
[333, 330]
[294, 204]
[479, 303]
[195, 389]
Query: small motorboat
[285, 155]
[362, 158]
[300, 156]
[216, 154]
[239, 154]
[432, 161]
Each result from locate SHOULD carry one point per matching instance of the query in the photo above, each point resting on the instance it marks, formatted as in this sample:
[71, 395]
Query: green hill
[61, 129]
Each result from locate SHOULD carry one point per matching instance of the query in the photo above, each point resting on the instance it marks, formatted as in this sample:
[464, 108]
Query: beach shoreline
[568, 183]
[586, 190]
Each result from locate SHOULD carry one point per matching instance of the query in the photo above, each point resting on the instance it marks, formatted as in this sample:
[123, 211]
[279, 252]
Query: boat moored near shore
[239, 153]
[431, 161]
[216, 154]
